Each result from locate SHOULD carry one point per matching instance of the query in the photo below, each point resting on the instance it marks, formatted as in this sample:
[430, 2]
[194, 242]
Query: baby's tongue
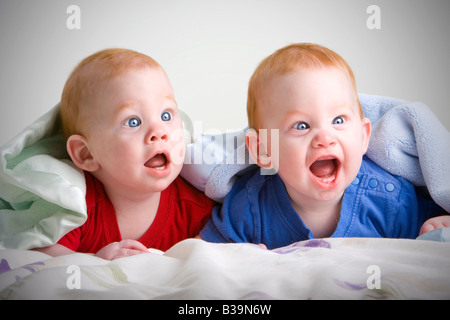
[322, 168]
[157, 161]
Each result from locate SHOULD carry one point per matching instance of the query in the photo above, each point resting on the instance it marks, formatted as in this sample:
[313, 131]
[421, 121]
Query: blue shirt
[376, 204]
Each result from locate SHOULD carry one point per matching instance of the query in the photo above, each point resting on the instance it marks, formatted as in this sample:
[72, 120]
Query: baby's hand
[435, 223]
[121, 249]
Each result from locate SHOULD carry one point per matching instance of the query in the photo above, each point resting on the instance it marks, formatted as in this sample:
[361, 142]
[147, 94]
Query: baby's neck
[134, 215]
[321, 217]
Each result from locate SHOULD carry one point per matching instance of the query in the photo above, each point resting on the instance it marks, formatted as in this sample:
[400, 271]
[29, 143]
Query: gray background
[210, 48]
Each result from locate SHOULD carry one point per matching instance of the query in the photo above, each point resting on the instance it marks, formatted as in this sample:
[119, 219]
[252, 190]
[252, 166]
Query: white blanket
[333, 268]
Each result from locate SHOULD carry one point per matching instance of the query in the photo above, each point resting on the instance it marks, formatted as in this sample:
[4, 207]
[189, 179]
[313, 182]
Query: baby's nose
[157, 135]
[324, 139]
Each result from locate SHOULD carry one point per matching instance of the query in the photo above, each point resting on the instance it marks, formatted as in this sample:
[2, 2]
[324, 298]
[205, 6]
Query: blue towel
[214, 162]
[441, 235]
[407, 140]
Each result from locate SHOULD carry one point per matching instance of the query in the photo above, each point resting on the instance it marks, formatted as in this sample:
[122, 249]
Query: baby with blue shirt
[304, 99]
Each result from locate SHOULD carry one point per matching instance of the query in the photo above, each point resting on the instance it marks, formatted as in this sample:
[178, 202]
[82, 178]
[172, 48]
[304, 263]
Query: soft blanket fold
[42, 194]
[408, 140]
[334, 268]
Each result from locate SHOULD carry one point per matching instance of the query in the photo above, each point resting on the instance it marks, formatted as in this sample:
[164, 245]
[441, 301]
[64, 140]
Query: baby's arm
[55, 250]
[111, 251]
[435, 223]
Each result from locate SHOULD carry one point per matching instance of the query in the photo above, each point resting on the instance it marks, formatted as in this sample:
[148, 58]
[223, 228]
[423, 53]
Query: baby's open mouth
[325, 169]
[158, 161]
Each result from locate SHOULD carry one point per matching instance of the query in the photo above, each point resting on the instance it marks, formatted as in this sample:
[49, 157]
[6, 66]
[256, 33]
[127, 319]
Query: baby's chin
[156, 185]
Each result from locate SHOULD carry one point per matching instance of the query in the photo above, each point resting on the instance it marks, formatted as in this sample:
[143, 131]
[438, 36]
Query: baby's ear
[78, 149]
[258, 150]
[367, 130]
[252, 141]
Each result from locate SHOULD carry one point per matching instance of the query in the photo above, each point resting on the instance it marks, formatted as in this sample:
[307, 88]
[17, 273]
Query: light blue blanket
[407, 140]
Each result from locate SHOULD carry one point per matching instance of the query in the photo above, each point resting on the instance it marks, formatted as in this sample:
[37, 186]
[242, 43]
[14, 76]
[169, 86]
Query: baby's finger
[124, 252]
[427, 227]
[133, 244]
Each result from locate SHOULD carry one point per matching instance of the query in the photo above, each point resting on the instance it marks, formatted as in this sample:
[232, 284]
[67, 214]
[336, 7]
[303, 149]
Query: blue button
[373, 183]
[390, 187]
[356, 181]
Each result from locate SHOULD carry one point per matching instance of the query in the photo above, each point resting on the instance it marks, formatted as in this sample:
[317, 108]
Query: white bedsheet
[352, 268]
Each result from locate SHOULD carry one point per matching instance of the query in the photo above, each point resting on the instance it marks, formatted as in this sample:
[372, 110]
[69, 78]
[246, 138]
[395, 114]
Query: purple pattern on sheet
[350, 286]
[257, 295]
[303, 246]
[4, 266]
[253, 295]
[32, 267]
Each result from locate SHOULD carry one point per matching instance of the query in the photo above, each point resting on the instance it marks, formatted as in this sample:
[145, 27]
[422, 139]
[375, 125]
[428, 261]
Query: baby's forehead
[298, 78]
[122, 85]
[307, 71]
[99, 77]
[101, 74]
[288, 85]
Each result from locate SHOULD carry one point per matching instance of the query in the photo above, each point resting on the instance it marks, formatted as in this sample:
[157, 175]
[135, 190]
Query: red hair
[98, 67]
[289, 59]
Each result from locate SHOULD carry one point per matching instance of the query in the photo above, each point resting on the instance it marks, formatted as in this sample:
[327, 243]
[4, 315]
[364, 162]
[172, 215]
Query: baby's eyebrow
[130, 106]
[170, 98]
[301, 115]
[295, 113]
[346, 107]
[123, 108]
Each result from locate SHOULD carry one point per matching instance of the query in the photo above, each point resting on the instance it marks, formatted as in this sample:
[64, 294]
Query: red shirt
[182, 213]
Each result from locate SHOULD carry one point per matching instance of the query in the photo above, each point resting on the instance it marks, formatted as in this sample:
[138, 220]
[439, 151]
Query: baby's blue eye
[301, 126]
[133, 122]
[338, 120]
[166, 116]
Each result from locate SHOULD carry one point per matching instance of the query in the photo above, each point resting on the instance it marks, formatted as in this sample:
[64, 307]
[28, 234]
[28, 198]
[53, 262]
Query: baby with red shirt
[123, 128]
